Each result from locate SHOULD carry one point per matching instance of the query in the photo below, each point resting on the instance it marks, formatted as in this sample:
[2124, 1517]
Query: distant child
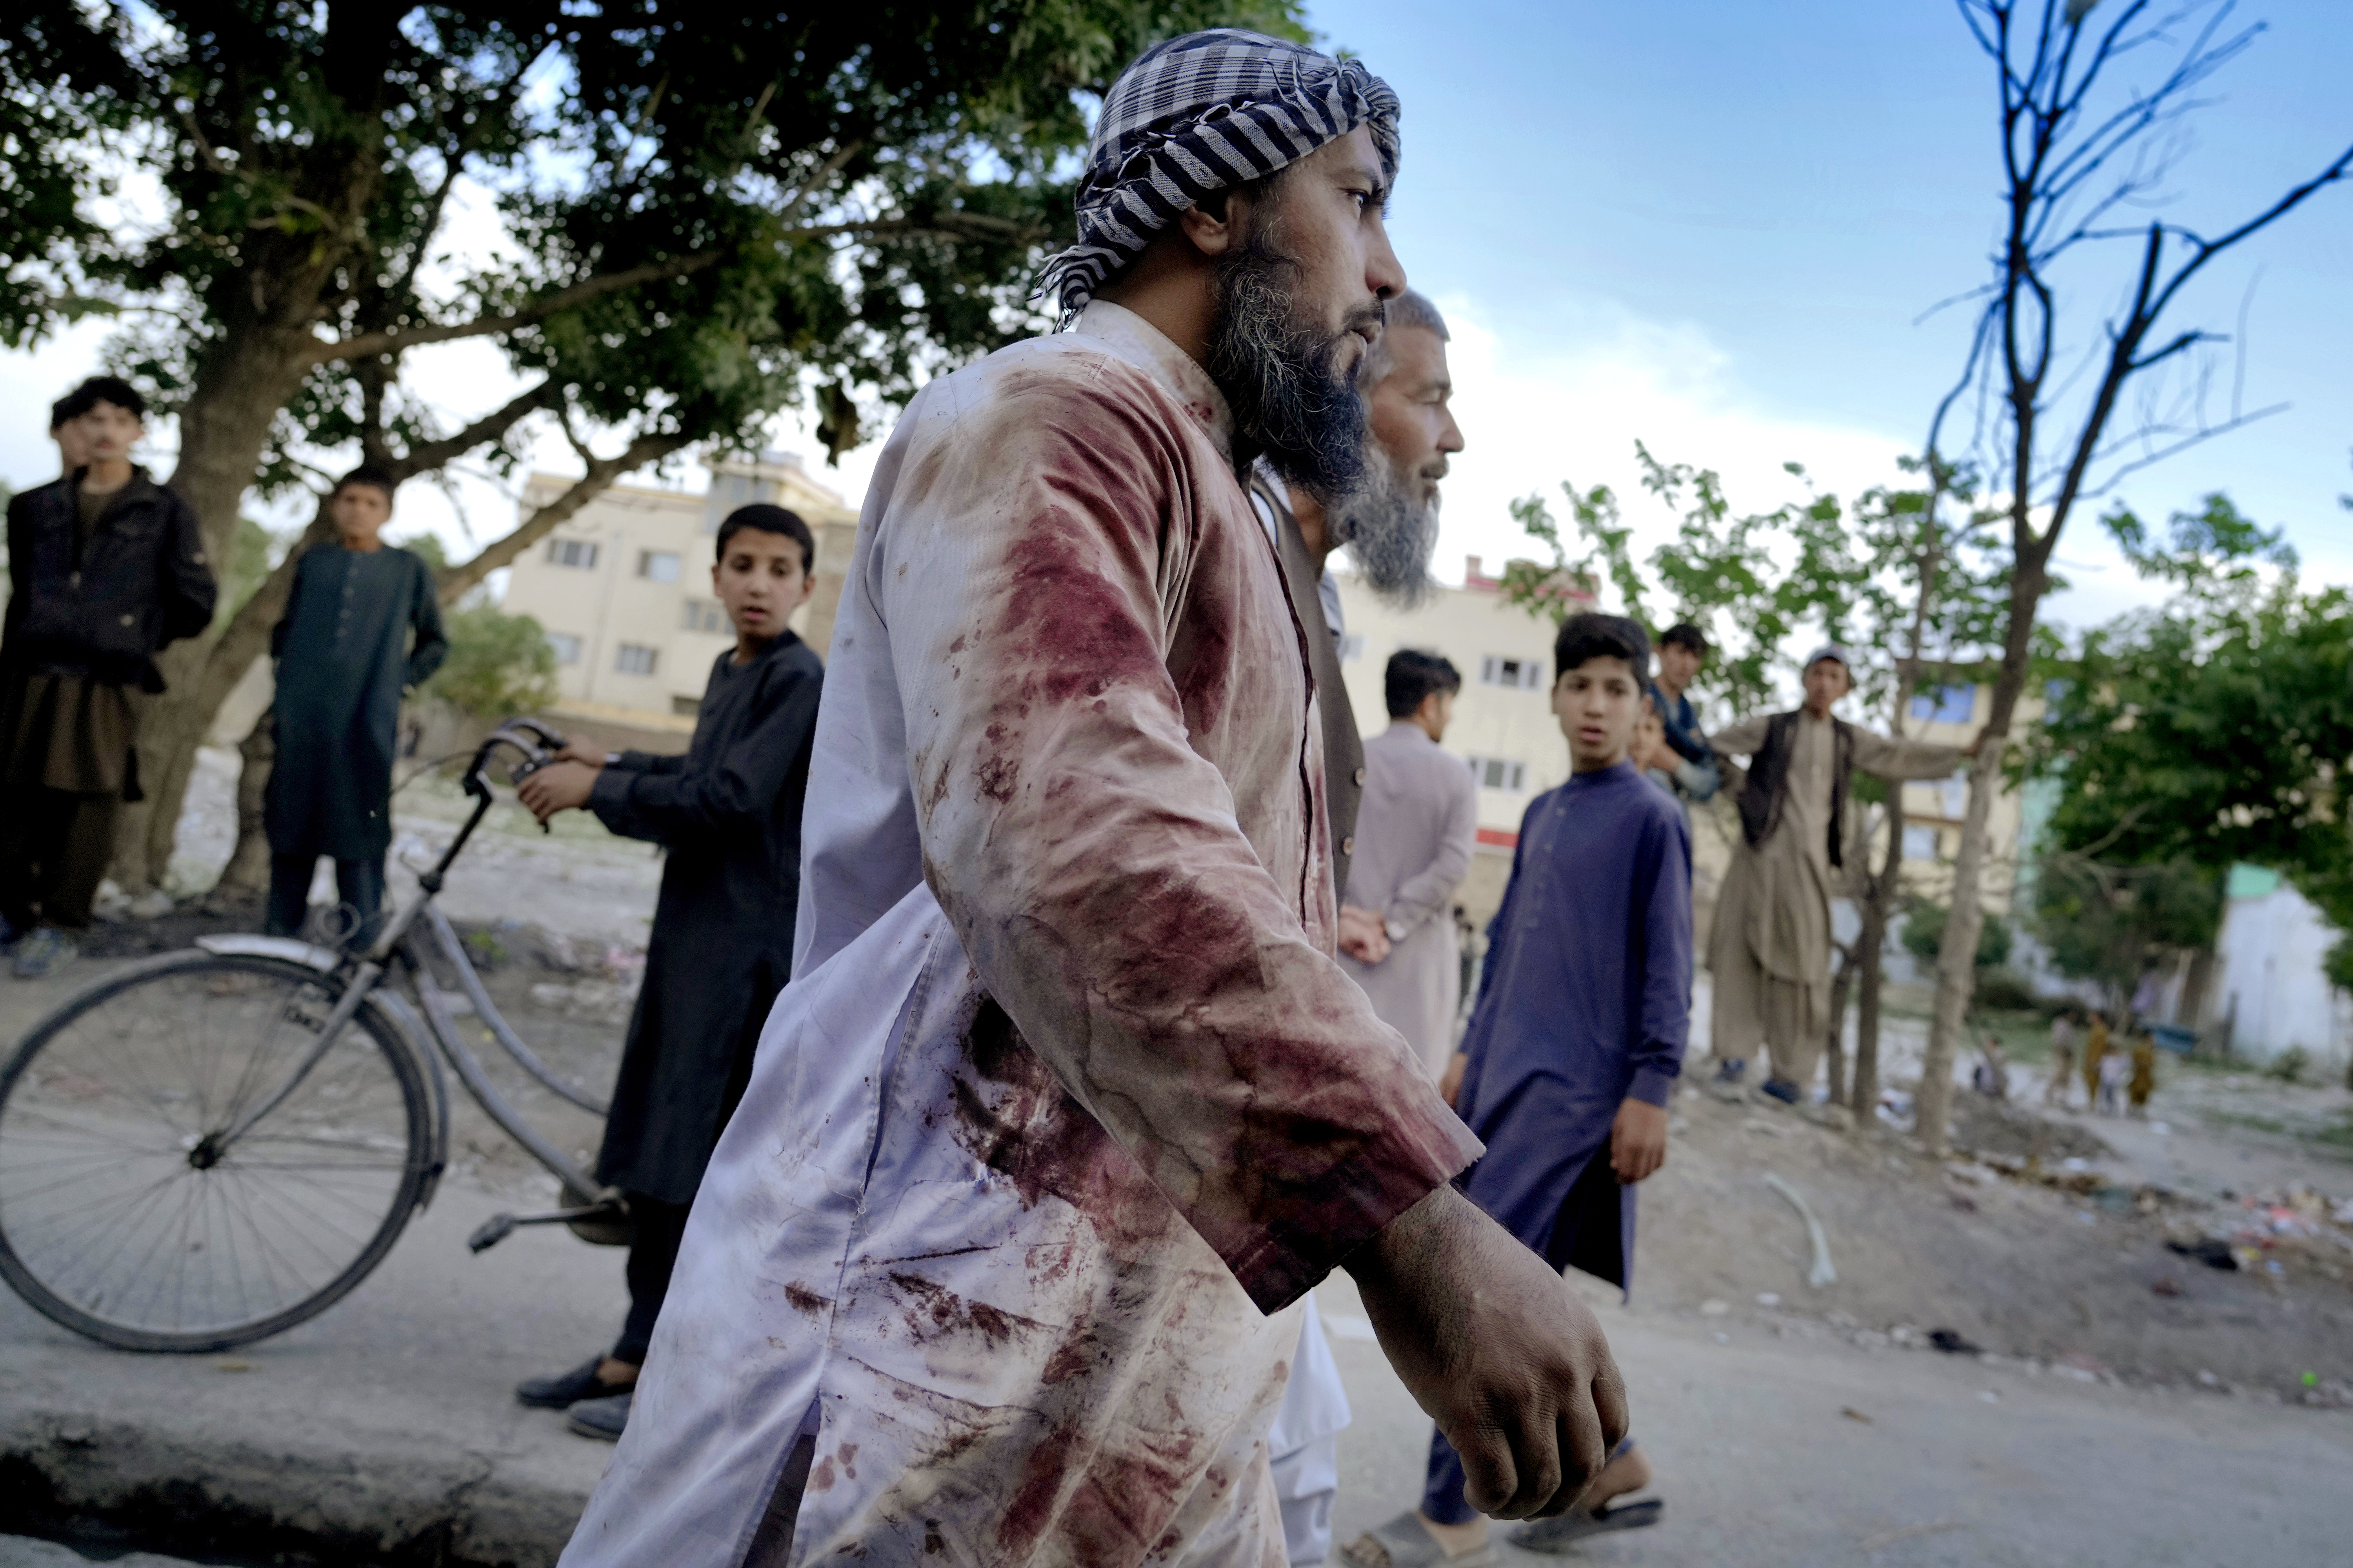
[1575, 1044]
[362, 629]
[2095, 1050]
[2112, 1082]
[2144, 1074]
[1990, 1076]
[729, 812]
[2062, 1060]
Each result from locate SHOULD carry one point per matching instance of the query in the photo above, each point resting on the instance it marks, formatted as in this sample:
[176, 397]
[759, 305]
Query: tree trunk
[1834, 1049]
[2191, 1013]
[223, 432]
[1957, 956]
[247, 875]
[1870, 948]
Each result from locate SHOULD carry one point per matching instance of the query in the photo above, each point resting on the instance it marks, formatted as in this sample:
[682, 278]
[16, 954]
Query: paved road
[390, 1417]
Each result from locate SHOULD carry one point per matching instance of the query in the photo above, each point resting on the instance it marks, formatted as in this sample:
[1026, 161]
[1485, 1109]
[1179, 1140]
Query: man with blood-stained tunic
[1068, 1104]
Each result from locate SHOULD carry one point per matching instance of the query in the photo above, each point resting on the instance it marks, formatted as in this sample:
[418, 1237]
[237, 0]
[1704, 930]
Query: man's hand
[1364, 936]
[573, 752]
[1500, 1352]
[1638, 1141]
[559, 786]
[1449, 1082]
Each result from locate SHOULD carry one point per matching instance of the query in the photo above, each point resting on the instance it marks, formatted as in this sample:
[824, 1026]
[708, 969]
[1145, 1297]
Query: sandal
[1402, 1543]
[1554, 1536]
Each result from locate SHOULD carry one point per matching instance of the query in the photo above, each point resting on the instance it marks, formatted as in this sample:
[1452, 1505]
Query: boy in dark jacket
[362, 627]
[730, 812]
[105, 567]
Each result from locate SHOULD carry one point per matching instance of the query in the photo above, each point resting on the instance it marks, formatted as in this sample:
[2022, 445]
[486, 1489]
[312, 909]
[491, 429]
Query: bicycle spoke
[131, 1221]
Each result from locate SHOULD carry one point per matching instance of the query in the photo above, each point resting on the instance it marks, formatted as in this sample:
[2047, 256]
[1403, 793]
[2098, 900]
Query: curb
[61, 1472]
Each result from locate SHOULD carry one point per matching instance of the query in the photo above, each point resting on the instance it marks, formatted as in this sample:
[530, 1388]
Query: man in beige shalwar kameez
[1770, 953]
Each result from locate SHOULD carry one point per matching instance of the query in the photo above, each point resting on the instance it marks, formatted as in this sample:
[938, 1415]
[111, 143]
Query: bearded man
[1068, 1103]
[1769, 955]
[1388, 521]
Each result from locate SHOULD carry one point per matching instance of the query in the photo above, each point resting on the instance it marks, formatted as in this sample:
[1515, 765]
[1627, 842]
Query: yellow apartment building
[622, 587]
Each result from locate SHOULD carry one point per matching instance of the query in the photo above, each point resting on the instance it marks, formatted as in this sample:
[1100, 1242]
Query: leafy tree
[2112, 925]
[2215, 729]
[499, 664]
[2083, 153]
[702, 216]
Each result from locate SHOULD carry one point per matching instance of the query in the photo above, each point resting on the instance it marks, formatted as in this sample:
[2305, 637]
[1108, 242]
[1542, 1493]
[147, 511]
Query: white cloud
[1531, 421]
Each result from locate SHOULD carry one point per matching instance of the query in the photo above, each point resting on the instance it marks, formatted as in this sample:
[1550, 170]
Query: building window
[657, 565]
[571, 553]
[1953, 795]
[631, 659]
[1945, 704]
[686, 707]
[1919, 844]
[566, 646]
[1493, 773]
[1519, 674]
[1352, 647]
[703, 616]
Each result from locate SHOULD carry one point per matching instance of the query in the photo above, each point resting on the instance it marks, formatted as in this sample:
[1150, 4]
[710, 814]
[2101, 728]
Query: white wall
[2269, 958]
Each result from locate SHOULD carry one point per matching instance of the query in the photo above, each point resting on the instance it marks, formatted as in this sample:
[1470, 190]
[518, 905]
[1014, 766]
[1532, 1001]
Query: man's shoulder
[1064, 384]
[40, 497]
[799, 661]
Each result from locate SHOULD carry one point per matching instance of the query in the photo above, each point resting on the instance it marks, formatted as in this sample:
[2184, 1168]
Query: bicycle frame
[434, 1037]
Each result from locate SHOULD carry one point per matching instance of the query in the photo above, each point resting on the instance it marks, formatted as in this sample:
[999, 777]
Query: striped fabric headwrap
[1199, 114]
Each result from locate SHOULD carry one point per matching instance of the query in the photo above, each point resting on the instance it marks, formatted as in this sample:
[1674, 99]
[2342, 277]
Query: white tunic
[1068, 1103]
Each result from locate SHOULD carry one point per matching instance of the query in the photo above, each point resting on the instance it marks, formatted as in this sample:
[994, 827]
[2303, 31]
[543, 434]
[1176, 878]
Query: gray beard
[1390, 536]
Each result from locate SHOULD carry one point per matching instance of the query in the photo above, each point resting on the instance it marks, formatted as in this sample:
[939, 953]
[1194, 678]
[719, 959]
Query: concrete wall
[2269, 980]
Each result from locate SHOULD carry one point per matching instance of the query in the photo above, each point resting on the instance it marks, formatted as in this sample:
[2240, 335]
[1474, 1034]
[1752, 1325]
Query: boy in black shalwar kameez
[729, 812]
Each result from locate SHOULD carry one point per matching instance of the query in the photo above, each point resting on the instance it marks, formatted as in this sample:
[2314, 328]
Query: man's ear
[1216, 232]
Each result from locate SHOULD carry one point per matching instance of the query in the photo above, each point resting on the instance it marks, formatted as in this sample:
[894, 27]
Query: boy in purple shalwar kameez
[1578, 1036]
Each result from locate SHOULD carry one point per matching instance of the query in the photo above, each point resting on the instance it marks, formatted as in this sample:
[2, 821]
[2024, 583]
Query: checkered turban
[1200, 114]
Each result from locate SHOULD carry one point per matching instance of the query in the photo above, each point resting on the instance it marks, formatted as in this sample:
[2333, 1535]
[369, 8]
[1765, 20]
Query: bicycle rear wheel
[124, 1216]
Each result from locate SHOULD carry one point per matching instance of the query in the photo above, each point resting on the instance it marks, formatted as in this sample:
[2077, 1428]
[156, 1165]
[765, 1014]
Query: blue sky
[1711, 225]
[1729, 215]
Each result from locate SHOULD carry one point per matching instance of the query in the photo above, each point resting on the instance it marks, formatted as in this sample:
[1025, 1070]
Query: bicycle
[210, 1147]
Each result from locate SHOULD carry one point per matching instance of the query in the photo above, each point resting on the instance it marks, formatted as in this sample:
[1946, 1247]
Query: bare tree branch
[453, 582]
[491, 426]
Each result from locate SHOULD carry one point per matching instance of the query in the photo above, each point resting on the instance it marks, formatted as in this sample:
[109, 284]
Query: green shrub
[499, 664]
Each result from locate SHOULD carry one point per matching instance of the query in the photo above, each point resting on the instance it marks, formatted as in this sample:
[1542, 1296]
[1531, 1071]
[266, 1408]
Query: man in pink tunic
[1068, 1105]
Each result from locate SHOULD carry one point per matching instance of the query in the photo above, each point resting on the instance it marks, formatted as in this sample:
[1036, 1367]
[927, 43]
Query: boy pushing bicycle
[729, 812]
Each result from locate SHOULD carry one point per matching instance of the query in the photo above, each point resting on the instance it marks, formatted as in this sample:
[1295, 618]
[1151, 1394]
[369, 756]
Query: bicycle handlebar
[534, 745]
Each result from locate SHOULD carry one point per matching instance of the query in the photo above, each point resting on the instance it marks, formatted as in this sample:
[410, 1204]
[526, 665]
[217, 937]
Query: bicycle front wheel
[126, 1215]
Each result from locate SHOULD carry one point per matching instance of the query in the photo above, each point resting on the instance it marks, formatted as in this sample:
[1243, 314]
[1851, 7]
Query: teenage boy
[1573, 1048]
[729, 812]
[1415, 834]
[106, 566]
[1769, 950]
[1682, 652]
[362, 628]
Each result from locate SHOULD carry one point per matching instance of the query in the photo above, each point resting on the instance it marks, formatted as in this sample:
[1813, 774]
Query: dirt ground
[2067, 1262]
